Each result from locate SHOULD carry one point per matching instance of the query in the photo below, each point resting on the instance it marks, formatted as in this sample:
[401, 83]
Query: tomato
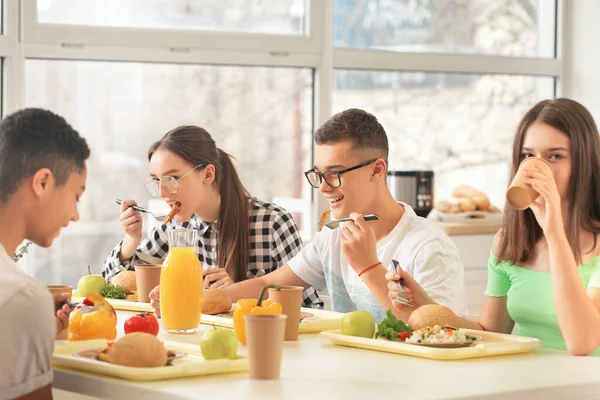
[403, 335]
[144, 322]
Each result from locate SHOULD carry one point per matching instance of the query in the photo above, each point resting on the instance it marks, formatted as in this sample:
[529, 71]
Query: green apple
[219, 343]
[91, 283]
[358, 323]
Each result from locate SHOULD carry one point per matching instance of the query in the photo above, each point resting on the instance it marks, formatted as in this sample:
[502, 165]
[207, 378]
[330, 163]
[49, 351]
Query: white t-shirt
[421, 248]
[27, 331]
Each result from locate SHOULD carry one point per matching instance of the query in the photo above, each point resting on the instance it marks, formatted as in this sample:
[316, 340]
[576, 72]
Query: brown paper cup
[147, 277]
[290, 298]
[60, 289]
[264, 334]
[521, 195]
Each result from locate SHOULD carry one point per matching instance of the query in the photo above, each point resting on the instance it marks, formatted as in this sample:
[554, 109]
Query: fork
[159, 218]
[401, 297]
[334, 223]
[59, 305]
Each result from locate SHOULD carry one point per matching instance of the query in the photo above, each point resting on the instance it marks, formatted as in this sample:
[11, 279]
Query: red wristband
[368, 268]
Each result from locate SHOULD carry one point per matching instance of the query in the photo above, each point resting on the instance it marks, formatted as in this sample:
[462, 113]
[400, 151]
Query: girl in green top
[544, 270]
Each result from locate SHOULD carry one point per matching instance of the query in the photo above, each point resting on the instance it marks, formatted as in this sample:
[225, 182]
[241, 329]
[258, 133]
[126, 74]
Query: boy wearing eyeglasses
[42, 177]
[351, 261]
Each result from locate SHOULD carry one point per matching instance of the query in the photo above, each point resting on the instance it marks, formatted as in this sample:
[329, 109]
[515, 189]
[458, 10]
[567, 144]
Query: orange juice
[181, 290]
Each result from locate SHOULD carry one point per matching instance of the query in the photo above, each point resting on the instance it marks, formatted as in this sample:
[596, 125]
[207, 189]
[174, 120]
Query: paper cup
[147, 277]
[56, 290]
[264, 334]
[61, 289]
[520, 195]
[290, 298]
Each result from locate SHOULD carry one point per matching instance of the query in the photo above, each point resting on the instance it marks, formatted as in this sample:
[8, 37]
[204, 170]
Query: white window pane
[499, 27]
[255, 16]
[460, 126]
[262, 116]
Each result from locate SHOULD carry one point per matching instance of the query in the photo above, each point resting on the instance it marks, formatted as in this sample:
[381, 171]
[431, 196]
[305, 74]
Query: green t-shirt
[530, 298]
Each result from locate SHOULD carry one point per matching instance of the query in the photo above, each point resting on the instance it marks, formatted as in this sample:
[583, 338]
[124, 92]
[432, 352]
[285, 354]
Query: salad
[391, 328]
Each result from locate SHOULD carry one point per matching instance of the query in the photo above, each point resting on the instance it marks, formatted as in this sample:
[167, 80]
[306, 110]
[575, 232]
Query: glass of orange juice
[181, 287]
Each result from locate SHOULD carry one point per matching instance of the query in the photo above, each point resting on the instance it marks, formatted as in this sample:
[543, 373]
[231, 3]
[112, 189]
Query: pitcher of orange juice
[181, 287]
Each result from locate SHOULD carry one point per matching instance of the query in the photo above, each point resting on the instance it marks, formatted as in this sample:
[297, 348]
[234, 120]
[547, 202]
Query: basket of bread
[467, 205]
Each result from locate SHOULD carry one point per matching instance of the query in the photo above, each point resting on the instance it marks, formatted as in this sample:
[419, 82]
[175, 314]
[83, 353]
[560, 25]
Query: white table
[315, 369]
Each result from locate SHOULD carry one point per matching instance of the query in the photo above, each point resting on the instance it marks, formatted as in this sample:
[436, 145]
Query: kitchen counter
[313, 368]
[465, 228]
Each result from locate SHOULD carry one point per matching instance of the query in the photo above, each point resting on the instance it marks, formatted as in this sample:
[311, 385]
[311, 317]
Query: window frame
[26, 38]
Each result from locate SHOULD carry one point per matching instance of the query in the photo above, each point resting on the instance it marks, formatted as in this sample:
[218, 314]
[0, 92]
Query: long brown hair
[196, 146]
[520, 231]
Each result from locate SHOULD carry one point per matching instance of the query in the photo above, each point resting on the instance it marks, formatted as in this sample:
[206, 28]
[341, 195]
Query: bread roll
[138, 349]
[455, 205]
[482, 202]
[432, 314]
[216, 301]
[466, 191]
[444, 206]
[126, 281]
[466, 204]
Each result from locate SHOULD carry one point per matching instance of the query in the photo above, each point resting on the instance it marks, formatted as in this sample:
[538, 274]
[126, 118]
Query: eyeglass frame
[159, 181]
[321, 175]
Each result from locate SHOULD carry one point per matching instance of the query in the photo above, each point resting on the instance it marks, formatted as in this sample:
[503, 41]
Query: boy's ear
[43, 181]
[380, 169]
[209, 174]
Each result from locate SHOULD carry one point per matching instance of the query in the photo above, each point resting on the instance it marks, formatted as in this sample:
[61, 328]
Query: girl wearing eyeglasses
[239, 237]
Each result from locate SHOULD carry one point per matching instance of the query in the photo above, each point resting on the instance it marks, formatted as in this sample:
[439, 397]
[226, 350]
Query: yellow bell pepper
[253, 306]
[95, 319]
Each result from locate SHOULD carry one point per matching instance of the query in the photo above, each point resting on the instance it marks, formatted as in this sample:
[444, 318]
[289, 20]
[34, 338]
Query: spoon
[159, 218]
[334, 223]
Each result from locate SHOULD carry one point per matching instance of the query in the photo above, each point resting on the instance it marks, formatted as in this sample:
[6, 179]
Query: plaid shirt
[274, 239]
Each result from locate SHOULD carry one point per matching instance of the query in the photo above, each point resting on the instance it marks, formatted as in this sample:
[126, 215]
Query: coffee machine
[414, 187]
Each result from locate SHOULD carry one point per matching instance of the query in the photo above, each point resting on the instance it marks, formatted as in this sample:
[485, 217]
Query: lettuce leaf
[391, 326]
[112, 291]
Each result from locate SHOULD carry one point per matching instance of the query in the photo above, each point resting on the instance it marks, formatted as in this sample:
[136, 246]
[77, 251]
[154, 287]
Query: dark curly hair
[33, 138]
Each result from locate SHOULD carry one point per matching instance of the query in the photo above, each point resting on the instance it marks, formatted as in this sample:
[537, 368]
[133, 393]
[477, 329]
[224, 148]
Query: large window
[502, 27]
[255, 16]
[121, 108]
[449, 80]
[461, 126]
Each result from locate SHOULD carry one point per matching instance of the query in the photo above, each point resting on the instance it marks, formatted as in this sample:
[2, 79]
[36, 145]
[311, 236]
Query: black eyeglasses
[333, 179]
